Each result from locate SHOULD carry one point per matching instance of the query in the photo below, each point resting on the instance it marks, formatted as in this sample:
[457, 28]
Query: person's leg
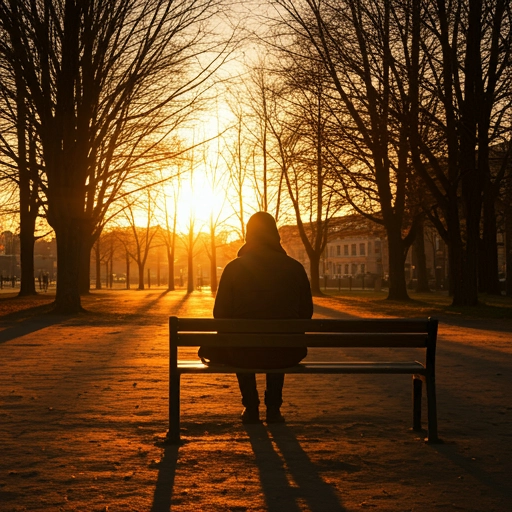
[250, 398]
[274, 397]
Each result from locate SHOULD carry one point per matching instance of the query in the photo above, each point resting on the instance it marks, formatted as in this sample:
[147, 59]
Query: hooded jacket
[262, 282]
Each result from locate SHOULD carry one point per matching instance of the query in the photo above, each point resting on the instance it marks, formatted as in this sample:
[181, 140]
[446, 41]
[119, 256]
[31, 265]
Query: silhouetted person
[46, 279]
[262, 282]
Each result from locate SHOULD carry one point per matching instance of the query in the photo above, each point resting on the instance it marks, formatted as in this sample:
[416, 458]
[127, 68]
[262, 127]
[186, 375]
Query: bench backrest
[412, 333]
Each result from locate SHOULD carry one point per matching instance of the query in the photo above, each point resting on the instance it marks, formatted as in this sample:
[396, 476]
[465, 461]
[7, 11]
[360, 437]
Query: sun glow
[197, 201]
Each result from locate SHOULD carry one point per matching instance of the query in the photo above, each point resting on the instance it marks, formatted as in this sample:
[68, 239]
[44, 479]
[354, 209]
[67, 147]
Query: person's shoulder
[293, 262]
[232, 266]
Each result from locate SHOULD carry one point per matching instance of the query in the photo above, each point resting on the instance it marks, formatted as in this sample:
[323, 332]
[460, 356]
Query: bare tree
[142, 239]
[108, 82]
[466, 91]
[358, 45]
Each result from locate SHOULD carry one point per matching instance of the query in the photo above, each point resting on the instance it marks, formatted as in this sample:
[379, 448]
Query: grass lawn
[436, 304]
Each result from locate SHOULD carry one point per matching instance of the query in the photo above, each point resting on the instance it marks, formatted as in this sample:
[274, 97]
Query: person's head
[262, 230]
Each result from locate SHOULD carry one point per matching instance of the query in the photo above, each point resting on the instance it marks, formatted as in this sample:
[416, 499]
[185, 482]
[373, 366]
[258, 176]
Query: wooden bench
[369, 334]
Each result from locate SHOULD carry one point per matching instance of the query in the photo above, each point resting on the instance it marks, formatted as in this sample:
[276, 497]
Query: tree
[108, 81]
[360, 48]
[465, 92]
[142, 237]
[298, 125]
[18, 147]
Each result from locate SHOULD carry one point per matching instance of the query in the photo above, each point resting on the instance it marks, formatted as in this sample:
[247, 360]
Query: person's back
[263, 282]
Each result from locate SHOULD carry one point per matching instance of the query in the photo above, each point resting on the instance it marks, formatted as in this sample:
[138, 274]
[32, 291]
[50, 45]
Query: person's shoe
[250, 416]
[274, 415]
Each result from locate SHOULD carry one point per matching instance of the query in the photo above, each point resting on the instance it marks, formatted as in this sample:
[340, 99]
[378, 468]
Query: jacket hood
[261, 233]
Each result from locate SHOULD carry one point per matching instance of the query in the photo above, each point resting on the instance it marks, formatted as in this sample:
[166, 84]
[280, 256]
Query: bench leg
[173, 435]
[417, 386]
[432, 436]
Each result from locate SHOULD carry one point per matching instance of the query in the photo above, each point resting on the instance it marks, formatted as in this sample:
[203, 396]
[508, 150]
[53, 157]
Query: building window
[345, 250]
[363, 268]
[338, 250]
[331, 251]
[354, 250]
[354, 269]
[362, 250]
[338, 269]
[377, 247]
[346, 267]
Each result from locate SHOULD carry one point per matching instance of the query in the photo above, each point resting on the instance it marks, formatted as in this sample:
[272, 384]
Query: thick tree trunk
[489, 278]
[85, 265]
[397, 284]
[69, 247]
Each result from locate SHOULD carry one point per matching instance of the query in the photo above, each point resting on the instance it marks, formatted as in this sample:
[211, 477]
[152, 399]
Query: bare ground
[83, 408]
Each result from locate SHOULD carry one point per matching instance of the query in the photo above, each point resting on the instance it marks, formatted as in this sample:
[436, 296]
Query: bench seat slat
[306, 340]
[406, 367]
[379, 325]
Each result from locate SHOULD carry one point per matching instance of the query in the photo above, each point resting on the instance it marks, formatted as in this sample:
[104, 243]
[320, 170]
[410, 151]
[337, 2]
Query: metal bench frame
[367, 333]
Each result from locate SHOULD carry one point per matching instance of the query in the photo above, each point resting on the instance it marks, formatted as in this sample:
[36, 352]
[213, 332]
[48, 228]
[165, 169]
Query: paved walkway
[83, 407]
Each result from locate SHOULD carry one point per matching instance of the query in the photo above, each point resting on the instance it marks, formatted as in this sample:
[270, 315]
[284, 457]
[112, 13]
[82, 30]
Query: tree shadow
[98, 316]
[287, 475]
[28, 321]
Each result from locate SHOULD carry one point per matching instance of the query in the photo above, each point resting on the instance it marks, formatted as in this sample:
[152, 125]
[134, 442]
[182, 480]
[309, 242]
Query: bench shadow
[287, 475]
[165, 481]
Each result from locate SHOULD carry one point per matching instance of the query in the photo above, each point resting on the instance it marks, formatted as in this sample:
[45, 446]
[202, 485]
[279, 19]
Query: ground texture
[83, 417]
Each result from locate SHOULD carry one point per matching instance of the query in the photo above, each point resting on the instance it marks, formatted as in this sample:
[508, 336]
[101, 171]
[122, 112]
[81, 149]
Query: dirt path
[83, 407]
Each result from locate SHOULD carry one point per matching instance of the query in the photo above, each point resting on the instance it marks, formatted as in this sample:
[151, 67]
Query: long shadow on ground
[277, 455]
[27, 321]
[165, 481]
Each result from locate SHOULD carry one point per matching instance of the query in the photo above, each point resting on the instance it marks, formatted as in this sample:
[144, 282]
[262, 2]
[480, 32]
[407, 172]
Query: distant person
[262, 282]
[46, 279]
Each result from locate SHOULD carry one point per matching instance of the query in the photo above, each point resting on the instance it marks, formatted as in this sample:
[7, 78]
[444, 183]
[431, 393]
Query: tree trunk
[421, 260]
[69, 247]
[170, 270]
[140, 266]
[213, 260]
[190, 259]
[508, 237]
[97, 261]
[85, 265]
[127, 271]
[27, 193]
[314, 271]
[27, 228]
[488, 264]
[190, 271]
[397, 284]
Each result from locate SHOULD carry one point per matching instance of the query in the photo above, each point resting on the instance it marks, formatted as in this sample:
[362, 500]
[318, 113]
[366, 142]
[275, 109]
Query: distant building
[357, 247]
